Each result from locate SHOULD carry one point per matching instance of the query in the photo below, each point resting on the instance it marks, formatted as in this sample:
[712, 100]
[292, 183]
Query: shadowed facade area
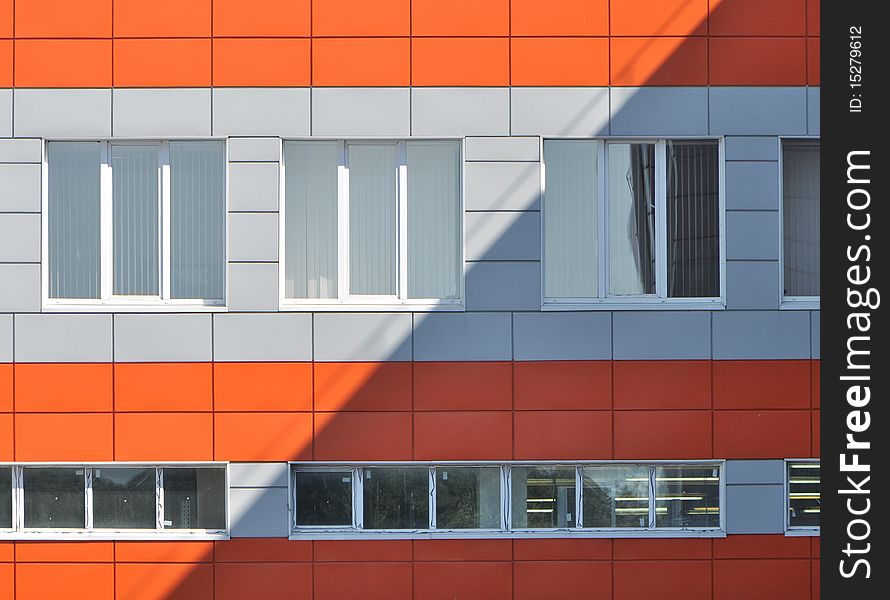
[502, 380]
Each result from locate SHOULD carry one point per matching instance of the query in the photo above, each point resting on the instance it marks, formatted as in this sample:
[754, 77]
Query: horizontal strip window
[801, 198]
[372, 223]
[507, 500]
[803, 496]
[134, 224]
[633, 223]
[116, 501]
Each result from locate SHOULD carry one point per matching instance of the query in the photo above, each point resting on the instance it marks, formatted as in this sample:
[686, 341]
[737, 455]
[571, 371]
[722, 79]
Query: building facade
[477, 299]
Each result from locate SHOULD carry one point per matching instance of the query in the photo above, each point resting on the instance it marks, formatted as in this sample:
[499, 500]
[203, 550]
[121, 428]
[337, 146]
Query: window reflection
[616, 496]
[468, 498]
[124, 498]
[324, 498]
[54, 498]
[687, 496]
[396, 498]
[543, 497]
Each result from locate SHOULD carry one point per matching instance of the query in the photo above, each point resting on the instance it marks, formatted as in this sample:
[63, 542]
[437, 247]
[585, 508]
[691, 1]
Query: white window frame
[796, 530]
[660, 300]
[349, 302]
[355, 531]
[108, 301]
[790, 302]
[19, 532]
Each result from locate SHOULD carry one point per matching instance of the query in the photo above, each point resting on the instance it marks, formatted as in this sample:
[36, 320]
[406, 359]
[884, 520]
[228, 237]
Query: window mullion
[651, 497]
[165, 241]
[661, 285]
[432, 506]
[358, 503]
[18, 498]
[343, 222]
[402, 219]
[106, 223]
[579, 500]
[88, 498]
[506, 498]
[159, 500]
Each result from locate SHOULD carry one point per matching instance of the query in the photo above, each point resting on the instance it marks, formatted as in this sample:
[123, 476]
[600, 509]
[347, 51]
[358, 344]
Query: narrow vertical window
[55, 498]
[136, 220]
[800, 215]
[310, 229]
[631, 206]
[804, 495]
[543, 497]
[693, 219]
[74, 236]
[570, 219]
[434, 217]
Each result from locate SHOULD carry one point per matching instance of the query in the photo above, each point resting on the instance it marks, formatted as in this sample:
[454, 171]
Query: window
[632, 222]
[112, 500]
[800, 221]
[372, 223]
[135, 223]
[513, 500]
[804, 498]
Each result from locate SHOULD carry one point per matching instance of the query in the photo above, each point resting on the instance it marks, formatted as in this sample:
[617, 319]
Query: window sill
[519, 534]
[610, 304]
[145, 307]
[112, 535]
[800, 303]
[803, 532]
[358, 306]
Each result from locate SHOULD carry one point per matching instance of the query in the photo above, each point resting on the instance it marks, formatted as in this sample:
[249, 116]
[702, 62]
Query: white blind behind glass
[73, 207]
[631, 227]
[373, 227]
[693, 252]
[800, 184]
[197, 220]
[310, 238]
[135, 216]
[570, 219]
[433, 219]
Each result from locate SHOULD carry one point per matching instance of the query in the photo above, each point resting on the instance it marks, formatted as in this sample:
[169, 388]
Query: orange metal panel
[162, 18]
[758, 17]
[162, 63]
[761, 434]
[6, 63]
[754, 384]
[560, 61]
[560, 17]
[470, 435]
[261, 62]
[269, 581]
[163, 436]
[63, 63]
[463, 550]
[86, 581]
[368, 581]
[463, 385]
[569, 435]
[151, 387]
[669, 579]
[761, 546]
[63, 437]
[63, 387]
[64, 552]
[362, 386]
[659, 17]
[563, 385]
[753, 61]
[361, 18]
[363, 436]
[465, 580]
[672, 434]
[746, 579]
[163, 552]
[63, 18]
[263, 436]
[263, 550]
[361, 62]
[657, 549]
[577, 579]
[659, 61]
[460, 61]
[164, 581]
[262, 386]
[460, 17]
[6, 371]
[261, 18]
[662, 384]
[562, 549]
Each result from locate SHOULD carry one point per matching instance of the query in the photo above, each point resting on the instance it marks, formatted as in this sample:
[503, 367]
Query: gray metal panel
[261, 111]
[63, 338]
[161, 112]
[752, 284]
[755, 471]
[562, 336]
[462, 336]
[758, 110]
[503, 148]
[813, 108]
[503, 286]
[266, 149]
[503, 235]
[502, 186]
[62, 113]
[262, 337]
[363, 336]
[20, 238]
[28, 150]
[761, 334]
[253, 186]
[258, 512]
[253, 286]
[6, 113]
[752, 235]
[5, 338]
[815, 328]
[651, 335]
[258, 475]
[752, 185]
[460, 111]
[253, 237]
[755, 509]
[559, 111]
[751, 148]
[361, 112]
[20, 288]
[659, 111]
[163, 338]
[19, 188]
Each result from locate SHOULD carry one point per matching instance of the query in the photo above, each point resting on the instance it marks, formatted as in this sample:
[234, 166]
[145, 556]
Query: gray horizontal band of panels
[6, 338]
[21, 150]
[63, 338]
[460, 111]
[562, 336]
[167, 337]
[462, 336]
[262, 337]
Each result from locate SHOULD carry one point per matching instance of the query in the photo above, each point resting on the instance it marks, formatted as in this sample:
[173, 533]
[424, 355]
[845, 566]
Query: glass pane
[310, 229]
[616, 496]
[54, 498]
[135, 214]
[687, 496]
[468, 498]
[434, 219]
[5, 497]
[570, 219]
[373, 227]
[800, 185]
[73, 219]
[396, 498]
[693, 219]
[195, 498]
[124, 498]
[631, 219]
[543, 497]
[804, 499]
[324, 498]
[197, 220]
